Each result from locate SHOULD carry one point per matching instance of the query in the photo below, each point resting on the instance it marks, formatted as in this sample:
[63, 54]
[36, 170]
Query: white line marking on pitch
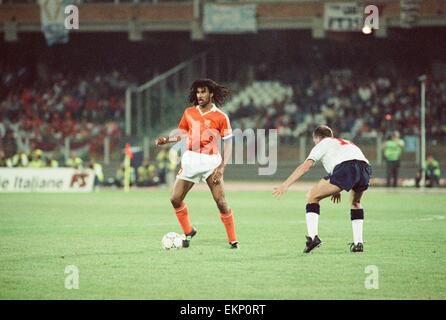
[431, 218]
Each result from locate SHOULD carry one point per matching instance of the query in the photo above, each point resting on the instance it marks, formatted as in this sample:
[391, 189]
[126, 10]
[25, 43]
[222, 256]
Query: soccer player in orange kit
[204, 126]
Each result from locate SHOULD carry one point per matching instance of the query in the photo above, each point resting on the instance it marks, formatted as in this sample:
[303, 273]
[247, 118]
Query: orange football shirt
[203, 127]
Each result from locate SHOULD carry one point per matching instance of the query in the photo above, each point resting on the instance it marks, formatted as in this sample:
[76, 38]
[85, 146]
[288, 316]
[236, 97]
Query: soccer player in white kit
[348, 169]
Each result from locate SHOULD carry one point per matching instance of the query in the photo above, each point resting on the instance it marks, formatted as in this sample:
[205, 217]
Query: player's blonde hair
[323, 132]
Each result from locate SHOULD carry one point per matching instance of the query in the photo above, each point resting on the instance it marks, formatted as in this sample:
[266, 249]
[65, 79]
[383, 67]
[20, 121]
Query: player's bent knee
[311, 198]
[176, 202]
[308, 196]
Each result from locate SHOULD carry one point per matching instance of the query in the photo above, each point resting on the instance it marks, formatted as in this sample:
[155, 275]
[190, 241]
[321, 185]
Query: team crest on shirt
[207, 123]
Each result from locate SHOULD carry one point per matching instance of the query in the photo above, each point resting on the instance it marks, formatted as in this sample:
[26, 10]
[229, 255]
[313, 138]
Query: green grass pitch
[114, 239]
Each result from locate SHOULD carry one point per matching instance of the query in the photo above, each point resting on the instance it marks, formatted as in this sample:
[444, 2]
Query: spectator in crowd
[393, 149]
[8, 143]
[20, 159]
[74, 161]
[163, 164]
[2, 158]
[98, 172]
[120, 174]
[2, 127]
[432, 173]
[172, 166]
[37, 159]
[52, 162]
[147, 175]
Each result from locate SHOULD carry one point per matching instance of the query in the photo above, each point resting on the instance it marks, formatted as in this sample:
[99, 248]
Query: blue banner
[219, 18]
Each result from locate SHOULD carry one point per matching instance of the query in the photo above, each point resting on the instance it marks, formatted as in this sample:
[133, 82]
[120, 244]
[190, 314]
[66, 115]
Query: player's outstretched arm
[165, 140]
[299, 172]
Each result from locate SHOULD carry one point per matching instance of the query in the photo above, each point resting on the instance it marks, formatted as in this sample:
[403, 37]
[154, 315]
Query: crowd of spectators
[161, 170]
[350, 103]
[40, 114]
[38, 159]
[145, 174]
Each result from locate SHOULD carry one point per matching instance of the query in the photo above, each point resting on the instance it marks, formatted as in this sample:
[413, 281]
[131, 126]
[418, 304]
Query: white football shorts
[197, 167]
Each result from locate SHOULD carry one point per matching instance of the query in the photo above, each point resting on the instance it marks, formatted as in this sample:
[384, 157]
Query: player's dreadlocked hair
[220, 92]
[323, 132]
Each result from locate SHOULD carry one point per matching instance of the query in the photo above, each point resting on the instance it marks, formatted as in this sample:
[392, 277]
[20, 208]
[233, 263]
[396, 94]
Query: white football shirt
[333, 151]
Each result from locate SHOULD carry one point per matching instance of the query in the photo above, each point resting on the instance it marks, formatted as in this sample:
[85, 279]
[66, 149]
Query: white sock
[312, 224]
[357, 230]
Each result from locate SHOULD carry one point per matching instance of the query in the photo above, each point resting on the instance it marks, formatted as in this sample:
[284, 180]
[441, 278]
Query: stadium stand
[357, 106]
[42, 114]
[292, 85]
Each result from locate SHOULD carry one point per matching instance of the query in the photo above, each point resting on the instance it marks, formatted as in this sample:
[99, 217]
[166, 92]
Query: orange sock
[228, 221]
[183, 218]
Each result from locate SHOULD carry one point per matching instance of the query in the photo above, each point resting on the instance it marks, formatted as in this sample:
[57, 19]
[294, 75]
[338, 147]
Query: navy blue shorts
[352, 174]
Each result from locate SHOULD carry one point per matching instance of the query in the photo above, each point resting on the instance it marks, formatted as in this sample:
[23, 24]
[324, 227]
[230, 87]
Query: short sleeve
[225, 128]
[183, 125]
[319, 150]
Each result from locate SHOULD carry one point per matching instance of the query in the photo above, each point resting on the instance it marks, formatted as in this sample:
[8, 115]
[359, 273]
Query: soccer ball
[172, 240]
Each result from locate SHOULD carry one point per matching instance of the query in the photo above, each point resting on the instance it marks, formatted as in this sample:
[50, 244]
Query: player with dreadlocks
[204, 125]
